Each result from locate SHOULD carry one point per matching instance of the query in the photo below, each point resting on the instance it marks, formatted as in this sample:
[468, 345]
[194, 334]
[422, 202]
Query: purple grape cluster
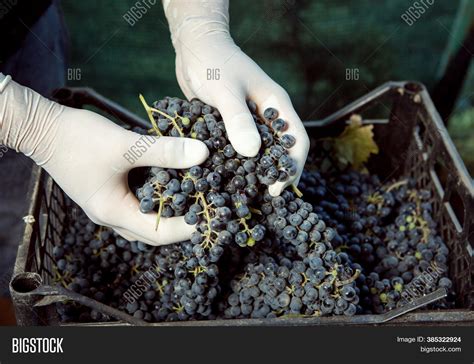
[227, 199]
[388, 232]
[353, 245]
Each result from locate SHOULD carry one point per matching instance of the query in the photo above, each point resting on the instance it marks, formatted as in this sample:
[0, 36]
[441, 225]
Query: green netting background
[307, 54]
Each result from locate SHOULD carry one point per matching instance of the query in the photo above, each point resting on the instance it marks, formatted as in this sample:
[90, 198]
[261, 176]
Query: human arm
[86, 154]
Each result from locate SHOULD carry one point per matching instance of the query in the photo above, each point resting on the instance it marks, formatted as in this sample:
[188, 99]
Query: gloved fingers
[181, 81]
[299, 154]
[142, 226]
[166, 152]
[272, 95]
[276, 188]
[239, 123]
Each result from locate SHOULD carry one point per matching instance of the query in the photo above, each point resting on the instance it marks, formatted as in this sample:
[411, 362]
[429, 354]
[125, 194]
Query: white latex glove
[204, 48]
[86, 154]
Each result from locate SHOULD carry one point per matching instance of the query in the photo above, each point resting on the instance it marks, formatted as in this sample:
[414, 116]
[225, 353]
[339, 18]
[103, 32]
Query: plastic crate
[413, 142]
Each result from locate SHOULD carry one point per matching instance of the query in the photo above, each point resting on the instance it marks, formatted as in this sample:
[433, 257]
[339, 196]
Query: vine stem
[160, 210]
[397, 184]
[150, 115]
[148, 110]
[349, 280]
[297, 191]
[243, 222]
[205, 207]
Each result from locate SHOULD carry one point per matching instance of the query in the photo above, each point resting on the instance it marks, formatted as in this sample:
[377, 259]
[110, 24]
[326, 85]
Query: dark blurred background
[325, 53]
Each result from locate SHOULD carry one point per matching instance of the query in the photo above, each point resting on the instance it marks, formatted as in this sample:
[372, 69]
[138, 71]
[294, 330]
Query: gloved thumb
[166, 152]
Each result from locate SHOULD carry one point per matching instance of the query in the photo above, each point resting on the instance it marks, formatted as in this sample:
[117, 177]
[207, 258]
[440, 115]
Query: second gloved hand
[211, 67]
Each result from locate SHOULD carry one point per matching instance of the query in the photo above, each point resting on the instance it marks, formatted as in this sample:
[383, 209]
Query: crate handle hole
[441, 172]
[413, 87]
[457, 205]
[421, 130]
[26, 282]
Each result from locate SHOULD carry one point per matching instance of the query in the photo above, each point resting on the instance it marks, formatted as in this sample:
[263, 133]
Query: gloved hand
[211, 67]
[89, 157]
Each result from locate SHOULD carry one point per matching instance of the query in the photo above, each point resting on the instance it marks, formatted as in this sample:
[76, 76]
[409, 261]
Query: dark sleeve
[16, 16]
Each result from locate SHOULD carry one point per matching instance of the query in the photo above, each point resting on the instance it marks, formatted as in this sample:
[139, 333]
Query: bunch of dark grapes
[96, 262]
[272, 285]
[387, 230]
[354, 245]
[295, 271]
[222, 195]
[227, 198]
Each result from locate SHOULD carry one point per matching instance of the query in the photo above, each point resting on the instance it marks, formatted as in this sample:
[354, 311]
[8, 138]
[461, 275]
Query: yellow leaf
[355, 145]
